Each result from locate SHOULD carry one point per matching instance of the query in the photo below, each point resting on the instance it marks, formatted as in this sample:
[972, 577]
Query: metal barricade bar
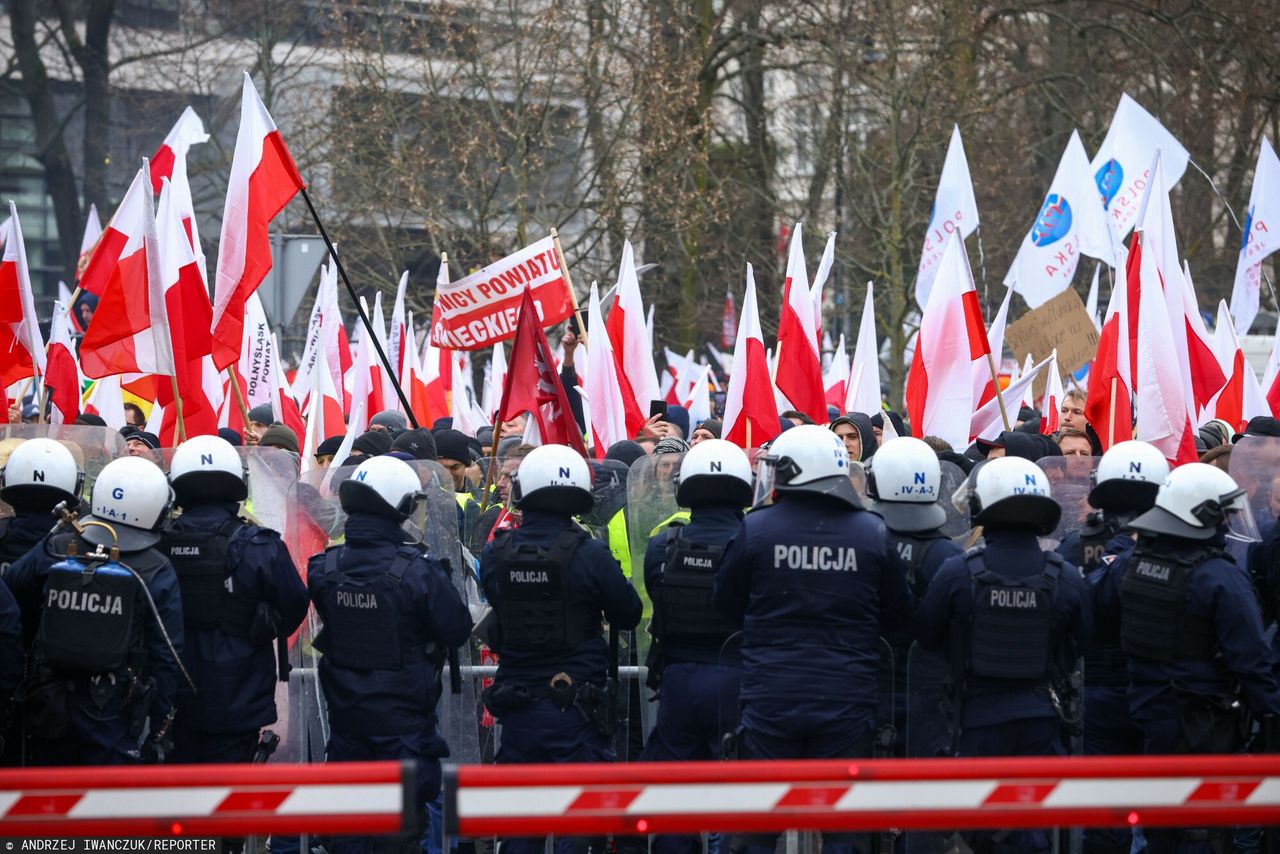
[855, 795]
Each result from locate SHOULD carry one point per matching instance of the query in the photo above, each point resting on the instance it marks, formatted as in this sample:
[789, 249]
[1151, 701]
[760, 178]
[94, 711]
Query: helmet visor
[1241, 525]
[766, 479]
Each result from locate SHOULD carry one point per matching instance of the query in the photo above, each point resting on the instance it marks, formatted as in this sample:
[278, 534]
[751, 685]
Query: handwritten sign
[1062, 322]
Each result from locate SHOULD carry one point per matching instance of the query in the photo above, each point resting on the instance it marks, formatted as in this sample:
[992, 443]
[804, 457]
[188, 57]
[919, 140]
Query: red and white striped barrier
[208, 800]
[908, 794]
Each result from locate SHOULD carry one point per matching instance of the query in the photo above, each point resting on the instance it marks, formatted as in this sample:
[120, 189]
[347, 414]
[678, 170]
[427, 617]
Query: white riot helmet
[904, 483]
[554, 478]
[383, 486]
[808, 458]
[1012, 491]
[131, 495]
[39, 475]
[714, 472]
[1195, 501]
[1128, 477]
[208, 468]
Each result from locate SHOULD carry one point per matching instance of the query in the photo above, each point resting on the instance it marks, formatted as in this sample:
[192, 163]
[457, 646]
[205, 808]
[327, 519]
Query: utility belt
[46, 698]
[593, 700]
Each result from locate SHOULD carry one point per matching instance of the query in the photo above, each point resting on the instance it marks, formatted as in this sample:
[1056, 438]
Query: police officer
[105, 670]
[39, 475]
[390, 613]
[810, 579]
[1189, 625]
[695, 652]
[549, 583]
[1124, 486]
[240, 593]
[1012, 621]
[905, 484]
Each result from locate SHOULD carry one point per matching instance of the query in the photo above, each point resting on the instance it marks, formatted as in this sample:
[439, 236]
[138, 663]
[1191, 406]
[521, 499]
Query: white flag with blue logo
[1071, 222]
[954, 209]
[1260, 237]
[1121, 168]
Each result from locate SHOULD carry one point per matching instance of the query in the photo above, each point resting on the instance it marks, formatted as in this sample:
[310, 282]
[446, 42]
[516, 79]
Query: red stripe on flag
[125, 310]
[974, 325]
[102, 261]
[917, 390]
[161, 167]
[272, 185]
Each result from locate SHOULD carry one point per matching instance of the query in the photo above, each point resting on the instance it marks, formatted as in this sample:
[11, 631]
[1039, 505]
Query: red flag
[186, 132]
[186, 303]
[62, 374]
[263, 180]
[799, 375]
[128, 334]
[749, 399]
[1051, 406]
[533, 386]
[729, 322]
[952, 336]
[1110, 379]
[21, 345]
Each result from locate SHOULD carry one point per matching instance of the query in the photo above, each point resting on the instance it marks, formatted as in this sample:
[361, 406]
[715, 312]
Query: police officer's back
[105, 666]
[549, 585]
[240, 592]
[1011, 618]
[904, 482]
[389, 613]
[694, 660]
[1188, 620]
[810, 579]
[39, 475]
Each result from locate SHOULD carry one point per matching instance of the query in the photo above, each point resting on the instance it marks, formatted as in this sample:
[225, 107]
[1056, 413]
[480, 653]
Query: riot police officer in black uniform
[694, 661]
[1190, 626]
[549, 583]
[39, 475]
[1125, 484]
[105, 670]
[241, 599]
[390, 613]
[1012, 621]
[810, 579]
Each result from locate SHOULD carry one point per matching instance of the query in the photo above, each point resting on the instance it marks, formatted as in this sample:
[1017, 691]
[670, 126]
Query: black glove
[156, 748]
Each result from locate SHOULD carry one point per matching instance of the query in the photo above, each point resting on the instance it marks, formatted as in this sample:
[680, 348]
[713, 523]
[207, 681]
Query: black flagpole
[368, 326]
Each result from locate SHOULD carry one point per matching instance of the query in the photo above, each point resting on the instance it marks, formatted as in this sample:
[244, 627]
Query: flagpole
[493, 464]
[995, 383]
[177, 402]
[573, 297]
[1111, 429]
[239, 394]
[364, 318]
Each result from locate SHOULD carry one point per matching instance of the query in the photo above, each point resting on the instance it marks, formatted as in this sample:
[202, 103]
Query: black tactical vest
[1096, 532]
[682, 611]
[203, 574]
[363, 627]
[9, 550]
[536, 609]
[1012, 631]
[1153, 601]
[93, 616]
[914, 550]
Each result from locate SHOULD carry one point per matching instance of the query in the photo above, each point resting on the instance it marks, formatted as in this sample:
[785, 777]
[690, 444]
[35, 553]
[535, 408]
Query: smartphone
[573, 325]
[658, 407]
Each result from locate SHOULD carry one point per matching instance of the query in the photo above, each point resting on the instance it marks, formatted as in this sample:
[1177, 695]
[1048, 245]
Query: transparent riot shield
[1255, 467]
[957, 525]
[316, 520]
[1070, 479]
[92, 447]
[651, 508]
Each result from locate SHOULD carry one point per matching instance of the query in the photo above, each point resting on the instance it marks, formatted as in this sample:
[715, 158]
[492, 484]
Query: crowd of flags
[202, 363]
